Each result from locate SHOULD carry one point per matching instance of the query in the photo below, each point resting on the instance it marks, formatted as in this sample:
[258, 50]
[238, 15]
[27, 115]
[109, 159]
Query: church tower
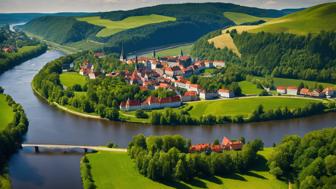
[154, 53]
[181, 54]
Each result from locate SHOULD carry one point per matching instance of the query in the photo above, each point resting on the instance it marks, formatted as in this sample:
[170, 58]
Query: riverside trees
[167, 158]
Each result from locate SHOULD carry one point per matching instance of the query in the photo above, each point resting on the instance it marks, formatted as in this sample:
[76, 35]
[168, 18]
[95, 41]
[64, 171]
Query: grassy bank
[5, 180]
[6, 113]
[116, 170]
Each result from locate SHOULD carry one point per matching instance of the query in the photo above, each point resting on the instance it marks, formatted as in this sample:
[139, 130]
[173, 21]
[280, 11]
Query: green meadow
[244, 106]
[112, 170]
[6, 113]
[240, 18]
[113, 27]
[248, 88]
[176, 51]
[296, 82]
[69, 79]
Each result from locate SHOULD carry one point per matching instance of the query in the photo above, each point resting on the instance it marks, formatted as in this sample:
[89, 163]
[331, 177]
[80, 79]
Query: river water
[49, 125]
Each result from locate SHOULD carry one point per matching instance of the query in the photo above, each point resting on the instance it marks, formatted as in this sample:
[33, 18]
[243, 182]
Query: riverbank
[116, 170]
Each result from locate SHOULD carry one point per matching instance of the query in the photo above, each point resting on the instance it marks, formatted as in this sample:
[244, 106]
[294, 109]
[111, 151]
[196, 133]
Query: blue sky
[107, 5]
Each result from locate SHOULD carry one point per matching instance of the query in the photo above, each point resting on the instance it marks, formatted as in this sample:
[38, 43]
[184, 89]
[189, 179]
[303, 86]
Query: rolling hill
[241, 18]
[174, 23]
[311, 20]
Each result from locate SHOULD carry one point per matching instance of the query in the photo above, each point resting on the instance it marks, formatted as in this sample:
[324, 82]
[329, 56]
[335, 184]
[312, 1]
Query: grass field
[6, 113]
[244, 106]
[69, 79]
[176, 51]
[296, 82]
[248, 88]
[240, 18]
[113, 27]
[311, 20]
[86, 45]
[112, 170]
[225, 40]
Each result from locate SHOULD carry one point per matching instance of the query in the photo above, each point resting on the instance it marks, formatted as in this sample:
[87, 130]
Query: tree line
[309, 162]
[167, 158]
[11, 136]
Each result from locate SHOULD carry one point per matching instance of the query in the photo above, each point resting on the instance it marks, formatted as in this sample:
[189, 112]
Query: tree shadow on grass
[176, 184]
[252, 174]
[213, 180]
[234, 177]
[198, 183]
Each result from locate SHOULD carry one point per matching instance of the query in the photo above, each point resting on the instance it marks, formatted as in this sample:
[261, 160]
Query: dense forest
[311, 57]
[22, 48]
[310, 162]
[167, 158]
[11, 136]
[193, 21]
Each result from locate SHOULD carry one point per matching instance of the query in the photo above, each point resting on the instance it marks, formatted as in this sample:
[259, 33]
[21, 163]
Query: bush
[141, 114]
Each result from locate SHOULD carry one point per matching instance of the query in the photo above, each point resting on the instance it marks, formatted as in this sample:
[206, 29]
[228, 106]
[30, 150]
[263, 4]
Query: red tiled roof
[223, 90]
[292, 87]
[190, 93]
[281, 88]
[195, 86]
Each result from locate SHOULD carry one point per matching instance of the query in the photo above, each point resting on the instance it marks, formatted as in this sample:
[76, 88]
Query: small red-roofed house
[225, 93]
[281, 90]
[190, 96]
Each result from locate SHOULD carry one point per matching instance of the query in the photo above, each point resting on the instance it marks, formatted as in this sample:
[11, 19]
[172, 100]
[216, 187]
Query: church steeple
[154, 53]
[181, 54]
[122, 53]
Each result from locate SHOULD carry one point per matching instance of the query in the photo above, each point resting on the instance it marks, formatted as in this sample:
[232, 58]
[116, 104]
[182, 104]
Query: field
[225, 40]
[176, 51]
[296, 82]
[116, 170]
[311, 20]
[244, 106]
[86, 45]
[248, 88]
[6, 113]
[113, 27]
[240, 18]
[69, 79]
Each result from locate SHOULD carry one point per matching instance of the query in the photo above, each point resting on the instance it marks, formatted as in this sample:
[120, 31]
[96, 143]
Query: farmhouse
[226, 144]
[329, 92]
[225, 93]
[219, 63]
[292, 90]
[281, 90]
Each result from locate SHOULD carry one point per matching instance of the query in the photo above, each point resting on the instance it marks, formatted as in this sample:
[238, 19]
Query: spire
[154, 53]
[122, 53]
[181, 54]
[136, 59]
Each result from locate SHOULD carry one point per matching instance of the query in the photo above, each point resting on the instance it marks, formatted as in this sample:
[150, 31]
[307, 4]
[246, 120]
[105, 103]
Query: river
[52, 126]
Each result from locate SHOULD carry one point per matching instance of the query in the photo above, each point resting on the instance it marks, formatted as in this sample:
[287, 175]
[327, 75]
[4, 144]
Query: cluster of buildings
[151, 103]
[87, 69]
[328, 92]
[226, 144]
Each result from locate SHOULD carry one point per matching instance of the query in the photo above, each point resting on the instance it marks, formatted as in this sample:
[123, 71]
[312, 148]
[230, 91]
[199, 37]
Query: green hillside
[112, 27]
[61, 29]
[141, 28]
[241, 18]
[311, 20]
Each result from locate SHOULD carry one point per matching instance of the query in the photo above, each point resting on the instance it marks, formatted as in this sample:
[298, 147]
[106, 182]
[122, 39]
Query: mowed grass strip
[244, 106]
[111, 170]
[296, 82]
[6, 113]
[225, 40]
[69, 79]
[240, 18]
[113, 27]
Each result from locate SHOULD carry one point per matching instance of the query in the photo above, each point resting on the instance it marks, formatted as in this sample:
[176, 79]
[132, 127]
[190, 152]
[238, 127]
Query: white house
[292, 90]
[225, 93]
[219, 63]
[208, 95]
